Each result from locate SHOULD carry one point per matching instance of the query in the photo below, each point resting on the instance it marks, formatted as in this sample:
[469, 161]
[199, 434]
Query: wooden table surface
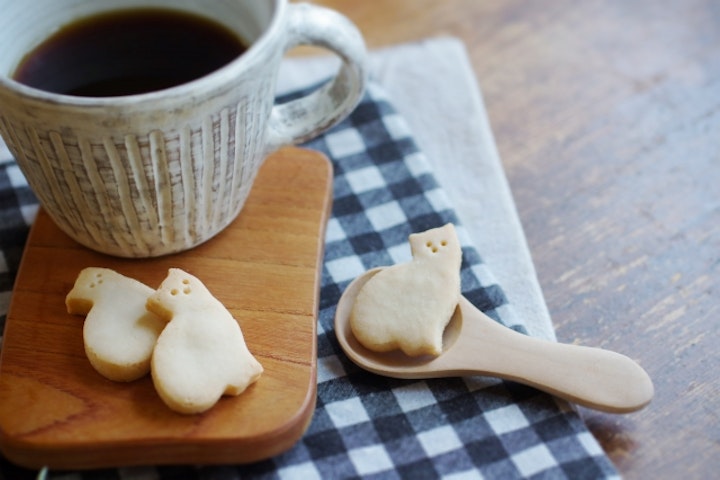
[607, 119]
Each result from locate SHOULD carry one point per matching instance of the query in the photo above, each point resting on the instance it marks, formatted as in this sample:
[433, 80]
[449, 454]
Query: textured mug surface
[157, 173]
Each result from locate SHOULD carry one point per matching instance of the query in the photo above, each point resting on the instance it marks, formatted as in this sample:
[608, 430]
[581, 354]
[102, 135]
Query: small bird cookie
[119, 333]
[201, 354]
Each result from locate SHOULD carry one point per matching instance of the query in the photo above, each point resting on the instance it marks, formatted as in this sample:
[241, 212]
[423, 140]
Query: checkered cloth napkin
[366, 425]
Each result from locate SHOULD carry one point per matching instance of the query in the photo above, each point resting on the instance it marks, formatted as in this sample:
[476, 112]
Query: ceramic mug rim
[222, 75]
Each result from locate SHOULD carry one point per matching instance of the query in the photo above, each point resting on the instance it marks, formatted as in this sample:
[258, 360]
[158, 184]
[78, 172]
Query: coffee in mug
[129, 52]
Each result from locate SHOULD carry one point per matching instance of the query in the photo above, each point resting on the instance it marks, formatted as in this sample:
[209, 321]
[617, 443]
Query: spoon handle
[592, 377]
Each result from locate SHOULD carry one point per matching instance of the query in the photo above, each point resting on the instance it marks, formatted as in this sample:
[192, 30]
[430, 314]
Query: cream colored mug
[156, 173]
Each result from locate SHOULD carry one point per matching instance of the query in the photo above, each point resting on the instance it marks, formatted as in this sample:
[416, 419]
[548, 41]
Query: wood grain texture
[607, 118]
[56, 411]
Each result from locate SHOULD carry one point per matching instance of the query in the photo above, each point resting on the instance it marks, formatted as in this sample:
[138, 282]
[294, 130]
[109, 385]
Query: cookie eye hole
[444, 243]
[186, 282]
[174, 291]
[186, 290]
[99, 280]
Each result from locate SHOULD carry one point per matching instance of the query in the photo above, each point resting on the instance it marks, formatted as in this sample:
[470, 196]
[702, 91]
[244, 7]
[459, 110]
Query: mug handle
[300, 120]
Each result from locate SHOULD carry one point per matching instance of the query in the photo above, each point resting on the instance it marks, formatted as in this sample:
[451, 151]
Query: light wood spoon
[475, 344]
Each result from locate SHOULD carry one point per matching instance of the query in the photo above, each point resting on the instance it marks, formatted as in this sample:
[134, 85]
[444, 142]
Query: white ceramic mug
[161, 172]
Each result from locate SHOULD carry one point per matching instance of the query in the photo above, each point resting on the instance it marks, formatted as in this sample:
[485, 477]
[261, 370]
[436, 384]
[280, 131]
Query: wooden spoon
[475, 344]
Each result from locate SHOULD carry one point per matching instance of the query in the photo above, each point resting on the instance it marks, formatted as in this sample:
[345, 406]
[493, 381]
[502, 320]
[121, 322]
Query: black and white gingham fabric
[366, 425]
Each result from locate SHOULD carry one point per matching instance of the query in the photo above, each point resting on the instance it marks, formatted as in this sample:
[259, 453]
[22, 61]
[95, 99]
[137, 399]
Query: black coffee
[128, 52]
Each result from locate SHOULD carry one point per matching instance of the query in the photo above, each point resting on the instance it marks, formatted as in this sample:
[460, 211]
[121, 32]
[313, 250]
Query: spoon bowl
[475, 344]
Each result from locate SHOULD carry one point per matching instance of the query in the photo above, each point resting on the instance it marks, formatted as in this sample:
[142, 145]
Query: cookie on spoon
[407, 306]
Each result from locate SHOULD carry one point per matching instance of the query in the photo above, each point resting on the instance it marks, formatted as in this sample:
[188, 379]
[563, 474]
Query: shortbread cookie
[408, 305]
[201, 354]
[119, 333]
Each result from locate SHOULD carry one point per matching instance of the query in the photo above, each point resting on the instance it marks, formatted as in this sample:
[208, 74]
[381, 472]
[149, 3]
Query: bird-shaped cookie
[201, 354]
[407, 306]
[119, 333]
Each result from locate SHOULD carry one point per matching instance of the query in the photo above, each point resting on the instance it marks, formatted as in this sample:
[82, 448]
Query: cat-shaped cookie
[408, 305]
[201, 354]
[119, 333]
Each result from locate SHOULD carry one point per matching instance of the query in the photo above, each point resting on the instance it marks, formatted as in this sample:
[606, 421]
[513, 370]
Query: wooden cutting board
[57, 411]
